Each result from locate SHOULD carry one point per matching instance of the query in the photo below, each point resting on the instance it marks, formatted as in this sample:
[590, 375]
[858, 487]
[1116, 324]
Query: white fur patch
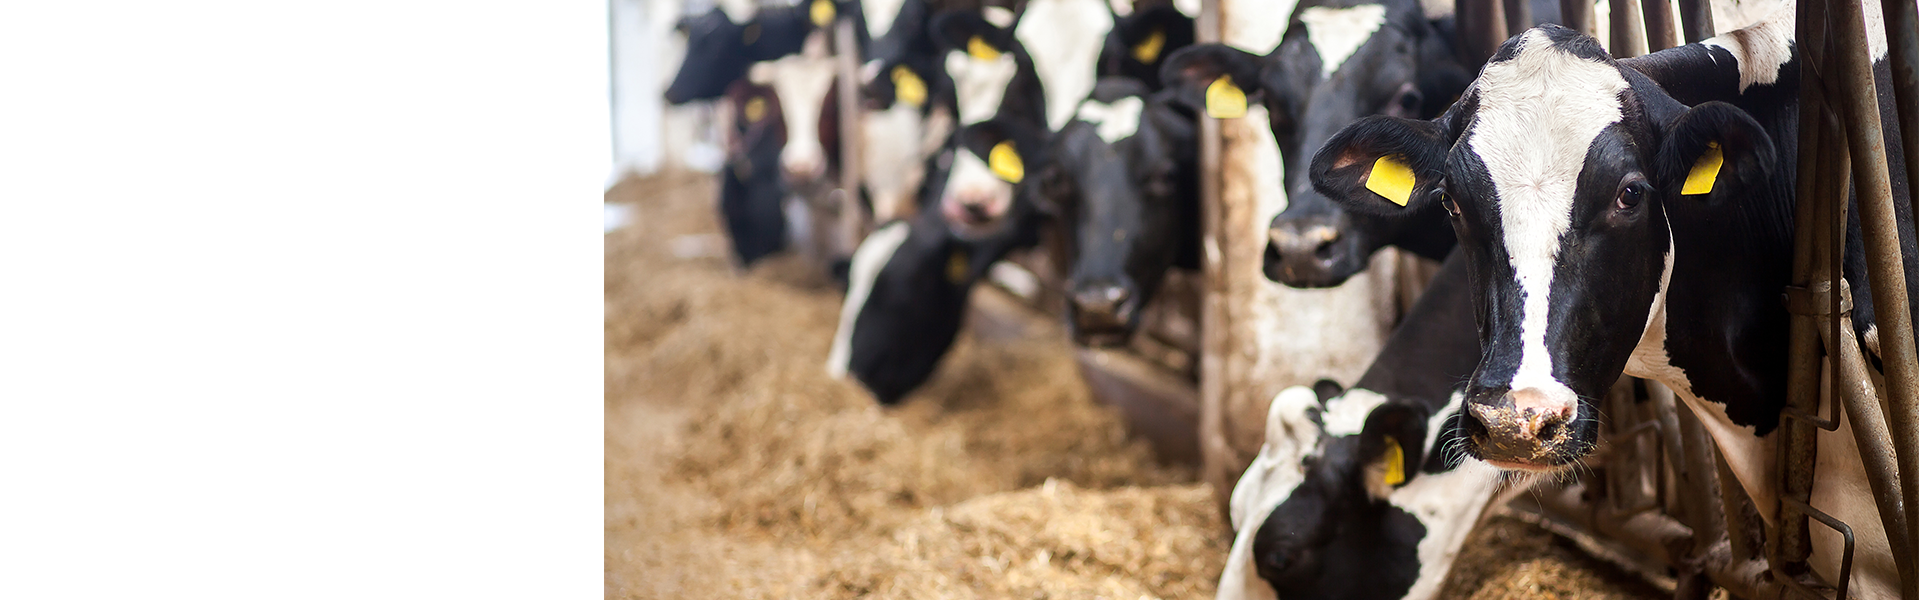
[1121, 7]
[892, 165]
[880, 15]
[1064, 38]
[868, 259]
[1113, 122]
[1347, 413]
[1764, 47]
[1448, 504]
[1275, 473]
[739, 11]
[801, 81]
[1336, 33]
[979, 85]
[972, 177]
[999, 16]
[1539, 112]
[1258, 29]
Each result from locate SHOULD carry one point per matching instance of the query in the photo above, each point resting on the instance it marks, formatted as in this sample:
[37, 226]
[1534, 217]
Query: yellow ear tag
[957, 267]
[1005, 162]
[907, 87]
[1705, 171]
[1225, 100]
[822, 12]
[756, 108]
[1396, 463]
[981, 50]
[1391, 180]
[1148, 50]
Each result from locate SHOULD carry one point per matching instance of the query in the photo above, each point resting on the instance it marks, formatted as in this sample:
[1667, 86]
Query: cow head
[1320, 515]
[1124, 172]
[1337, 62]
[1139, 42]
[1001, 122]
[720, 48]
[1558, 171]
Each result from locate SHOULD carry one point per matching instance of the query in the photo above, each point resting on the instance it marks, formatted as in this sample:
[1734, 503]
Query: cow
[1339, 60]
[1366, 494]
[728, 39]
[1140, 41]
[1612, 227]
[906, 297]
[750, 186]
[1124, 176]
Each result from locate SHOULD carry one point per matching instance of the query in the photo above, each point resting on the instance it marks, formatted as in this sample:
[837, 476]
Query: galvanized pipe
[1696, 20]
[1699, 481]
[1578, 15]
[853, 222]
[1482, 26]
[1876, 448]
[1885, 267]
[1659, 18]
[1517, 15]
[1669, 415]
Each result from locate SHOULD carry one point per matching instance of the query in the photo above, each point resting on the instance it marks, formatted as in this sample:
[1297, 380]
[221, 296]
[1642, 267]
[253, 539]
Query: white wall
[648, 135]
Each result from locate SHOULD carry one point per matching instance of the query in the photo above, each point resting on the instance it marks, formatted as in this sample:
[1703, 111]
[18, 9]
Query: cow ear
[1152, 34]
[1714, 152]
[970, 32]
[1381, 165]
[1214, 79]
[1391, 441]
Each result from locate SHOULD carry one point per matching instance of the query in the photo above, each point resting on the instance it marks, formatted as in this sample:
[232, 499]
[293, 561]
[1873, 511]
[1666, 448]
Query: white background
[301, 299]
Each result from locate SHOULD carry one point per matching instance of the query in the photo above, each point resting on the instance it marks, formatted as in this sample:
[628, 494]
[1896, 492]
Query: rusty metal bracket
[1846, 557]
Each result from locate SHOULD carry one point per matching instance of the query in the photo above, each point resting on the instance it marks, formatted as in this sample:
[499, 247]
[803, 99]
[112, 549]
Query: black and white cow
[906, 298]
[750, 187]
[1366, 495]
[1338, 61]
[725, 41]
[1613, 228]
[1124, 176]
[1140, 41]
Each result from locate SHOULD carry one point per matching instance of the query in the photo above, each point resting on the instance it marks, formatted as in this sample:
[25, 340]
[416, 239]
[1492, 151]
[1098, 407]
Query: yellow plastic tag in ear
[1396, 462]
[1005, 162]
[907, 87]
[1391, 180]
[756, 109]
[822, 12]
[1148, 50]
[1705, 171]
[981, 50]
[957, 267]
[1225, 100]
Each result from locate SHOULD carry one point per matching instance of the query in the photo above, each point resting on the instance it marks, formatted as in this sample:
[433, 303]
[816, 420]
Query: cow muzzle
[1307, 253]
[1103, 314]
[1528, 429]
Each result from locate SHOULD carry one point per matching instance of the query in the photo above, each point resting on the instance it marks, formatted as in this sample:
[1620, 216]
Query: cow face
[720, 48]
[1557, 171]
[1124, 172]
[1337, 62]
[803, 82]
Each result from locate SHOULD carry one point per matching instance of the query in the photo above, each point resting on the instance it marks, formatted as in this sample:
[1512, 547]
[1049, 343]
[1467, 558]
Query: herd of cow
[1596, 217]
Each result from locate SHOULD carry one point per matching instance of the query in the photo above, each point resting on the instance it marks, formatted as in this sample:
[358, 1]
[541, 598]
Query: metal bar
[1628, 37]
[1787, 538]
[1885, 268]
[1876, 446]
[1578, 15]
[1669, 416]
[1517, 15]
[847, 61]
[1699, 481]
[1846, 554]
[1483, 27]
[1215, 335]
[1739, 546]
[1658, 15]
[1901, 33]
[1696, 20]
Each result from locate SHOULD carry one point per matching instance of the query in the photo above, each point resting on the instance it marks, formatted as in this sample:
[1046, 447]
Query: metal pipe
[847, 61]
[1658, 15]
[1696, 20]
[1901, 33]
[1628, 39]
[1876, 447]
[1483, 27]
[1740, 547]
[1578, 15]
[1885, 267]
[1518, 16]
[1699, 480]
[1214, 332]
[1663, 409]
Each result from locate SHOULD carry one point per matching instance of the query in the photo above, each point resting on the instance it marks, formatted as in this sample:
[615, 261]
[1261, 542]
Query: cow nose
[803, 168]
[1103, 300]
[1303, 253]
[1524, 428]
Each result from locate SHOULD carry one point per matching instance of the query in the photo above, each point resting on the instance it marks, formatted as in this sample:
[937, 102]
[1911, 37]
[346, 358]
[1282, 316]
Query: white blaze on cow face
[739, 11]
[1336, 33]
[801, 81]
[1064, 38]
[1113, 122]
[868, 259]
[974, 197]
[1280, 467]
[1539, 112]
[880, 15]
[1766, 46]
[979, 84]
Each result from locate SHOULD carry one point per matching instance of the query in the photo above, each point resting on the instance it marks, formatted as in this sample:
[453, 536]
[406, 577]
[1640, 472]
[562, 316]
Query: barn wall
[648, 135]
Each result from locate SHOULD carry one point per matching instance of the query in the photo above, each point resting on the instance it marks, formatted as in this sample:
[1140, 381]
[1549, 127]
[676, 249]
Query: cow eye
[1446, 201]
[1631, 194]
